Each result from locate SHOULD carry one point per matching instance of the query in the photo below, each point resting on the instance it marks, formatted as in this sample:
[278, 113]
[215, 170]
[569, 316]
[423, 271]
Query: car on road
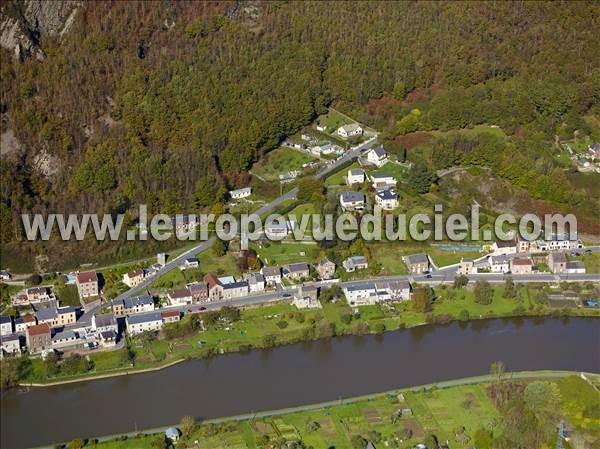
[576, 254]
[588, 251]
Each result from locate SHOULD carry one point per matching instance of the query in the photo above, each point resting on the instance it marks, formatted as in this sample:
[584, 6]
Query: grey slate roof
[144, 318]
[575, 265]
[129, 303]
[105, 319]
[351, 197]
[387, 195]
[414, 259]
[4, 319]
[357, 171]
[271, 271]
[365, 286]
[295, 267]
[234, 285]
[46, 314]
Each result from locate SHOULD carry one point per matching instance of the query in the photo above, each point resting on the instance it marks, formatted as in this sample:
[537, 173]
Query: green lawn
[338, 178]
[333, 120]
[280, 161]
[280, 253]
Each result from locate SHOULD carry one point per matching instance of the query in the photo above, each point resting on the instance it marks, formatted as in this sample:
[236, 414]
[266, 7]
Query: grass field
[338, 178]
[279, 253]
[280, 161]
[333, 120]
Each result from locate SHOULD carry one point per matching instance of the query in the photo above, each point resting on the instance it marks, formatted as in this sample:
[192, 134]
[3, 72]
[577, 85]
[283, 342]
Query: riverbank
[366, 413]
[292, 375]
[281, 324]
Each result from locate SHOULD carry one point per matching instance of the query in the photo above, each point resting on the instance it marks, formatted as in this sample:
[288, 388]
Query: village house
[353, 263]
[277, 231]
[386, 199]
[558, 243]
[351, 130]
[504, 247]
[240, 193]
[521, 266]
[272, 275]
[10, 345]
[235, 289]
[133, 278]
[183, 224]
[67, 340]
[383, 181]
[22, 323]
[179, 297]
[4, 276]
[256, 282]
[417, 263]
[296, 271]
[307, 297]
[361, 295]
[66, 315]
[352, 200]
[108, 339]
[523, 245]
[199, 292]
[377, 156]
[151, 321]
[399, 290]
[38, 294]
[499, 264]
[326, 269]
[129, 306]
[575, 267]
[47, 316]
[191, 262]
[215, 288]
[557, 262]
[228, 279]
[104, 322]
[355, 176]
[38, 338]
[6, 325]
[170, 316]
[466, 267]
[87, 284]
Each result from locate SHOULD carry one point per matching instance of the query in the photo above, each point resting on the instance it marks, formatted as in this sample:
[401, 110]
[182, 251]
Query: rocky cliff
[25, 23]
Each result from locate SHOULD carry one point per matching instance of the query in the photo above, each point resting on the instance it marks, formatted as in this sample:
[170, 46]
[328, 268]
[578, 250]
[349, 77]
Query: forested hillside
[169, 103]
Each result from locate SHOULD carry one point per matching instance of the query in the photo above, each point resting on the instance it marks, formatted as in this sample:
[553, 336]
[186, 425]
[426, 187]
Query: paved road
[269, 207]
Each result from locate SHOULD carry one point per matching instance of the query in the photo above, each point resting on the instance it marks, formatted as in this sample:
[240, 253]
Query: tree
[187, 426]
[329, 294]
[483, 292]
[310, 190]
[77, 443]
[420, 177]
[543, 399]
[399, 90]
[510, 290]
[421, 299]
[312, 426]
[461, 281]
[358, 442]
[483, 438]
[51, 365]
[269, 340]
[463, 315]
[219, 248]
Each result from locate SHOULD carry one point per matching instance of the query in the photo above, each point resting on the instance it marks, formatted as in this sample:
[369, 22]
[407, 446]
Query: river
[296, 374]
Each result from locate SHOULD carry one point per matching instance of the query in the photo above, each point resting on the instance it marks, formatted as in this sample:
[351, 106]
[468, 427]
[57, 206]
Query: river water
[294, 375]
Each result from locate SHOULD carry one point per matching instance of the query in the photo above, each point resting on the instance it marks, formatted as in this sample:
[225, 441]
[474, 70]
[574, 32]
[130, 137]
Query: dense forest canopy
[151, 102]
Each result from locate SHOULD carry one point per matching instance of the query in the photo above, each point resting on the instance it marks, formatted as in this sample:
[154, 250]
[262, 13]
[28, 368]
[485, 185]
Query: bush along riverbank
[500, 410]
[233, 330]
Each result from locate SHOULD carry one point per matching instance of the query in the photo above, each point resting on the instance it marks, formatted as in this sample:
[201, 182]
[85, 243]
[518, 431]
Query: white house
[499, 264]
[272, 275]
[352, 200]
[9, 345]
[383, 181]
[466, 267]
[235, 289]
[386, 199]
[4, 275]
[6, 326]
[256, 282]
[138, 304]
[350, 130]
[133, 278]
[180, 297]
[361, 295]
[191, 262]
[321, 128]
[354, 263]
[355, 176]
[136, 324]
[398, 290]
[104, 322]
[558, 243]
[240, 193]
[377, 156]
[504, 247]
